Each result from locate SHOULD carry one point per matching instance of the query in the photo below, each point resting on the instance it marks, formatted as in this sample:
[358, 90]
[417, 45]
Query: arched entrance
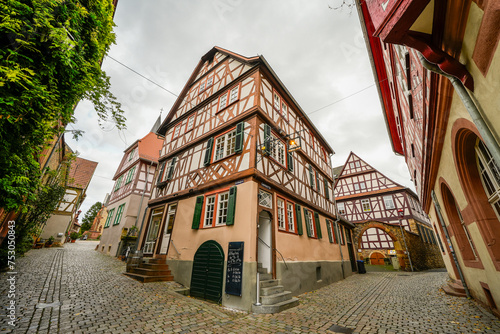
[372, 236]
[208, 271]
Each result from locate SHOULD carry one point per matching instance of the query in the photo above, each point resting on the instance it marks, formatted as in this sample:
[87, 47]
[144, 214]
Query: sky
[318, 53]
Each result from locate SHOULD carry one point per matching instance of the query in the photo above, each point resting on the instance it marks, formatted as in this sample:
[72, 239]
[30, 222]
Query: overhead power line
[142, 76]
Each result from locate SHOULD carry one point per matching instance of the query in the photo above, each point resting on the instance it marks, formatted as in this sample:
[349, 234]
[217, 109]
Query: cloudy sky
[318, 53]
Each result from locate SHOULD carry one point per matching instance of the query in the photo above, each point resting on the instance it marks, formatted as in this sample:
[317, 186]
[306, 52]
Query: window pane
[209, 211]
[234, 94]
[280, 213]
[222, 213]
[223, 102]
[291, 220]
[265, 199]
[230, 142]
[219, 147]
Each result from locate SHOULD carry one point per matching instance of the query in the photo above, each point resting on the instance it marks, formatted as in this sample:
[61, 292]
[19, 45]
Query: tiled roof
[150, 146]
[81, 172]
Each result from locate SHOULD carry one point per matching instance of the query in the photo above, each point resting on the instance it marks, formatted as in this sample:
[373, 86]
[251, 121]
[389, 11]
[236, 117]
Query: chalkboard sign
[234, 271]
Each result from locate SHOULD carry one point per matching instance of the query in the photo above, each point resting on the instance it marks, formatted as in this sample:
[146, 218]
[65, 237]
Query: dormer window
[131, 154]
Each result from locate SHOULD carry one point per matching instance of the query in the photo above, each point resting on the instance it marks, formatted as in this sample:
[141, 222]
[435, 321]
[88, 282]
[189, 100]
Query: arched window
[375, 238]
[490, 175]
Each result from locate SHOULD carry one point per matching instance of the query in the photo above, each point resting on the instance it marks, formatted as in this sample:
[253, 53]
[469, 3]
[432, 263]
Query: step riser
[157, 261]
[272, 290]
[267, 309]
[262, 270]
[149, 272]
[265, 277]
[269, 283]
[147, 279]
[154, 266]
[276, 298]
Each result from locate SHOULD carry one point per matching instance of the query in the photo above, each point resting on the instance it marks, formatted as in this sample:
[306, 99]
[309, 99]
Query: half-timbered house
[128, 199]
[379, 207]
[243, 168]
[78, 180]
[437, 66]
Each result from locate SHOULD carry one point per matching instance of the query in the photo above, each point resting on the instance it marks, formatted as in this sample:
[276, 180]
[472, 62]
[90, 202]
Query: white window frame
[225, 145]
[310, 221]
[215, 209]
[234, 95]
[268, 196]
[290, 216]
[489, 173]
[222, 205]
[190, 122]
[280, 213]
[365, 205]
[278, 150]
[341, 208]
[210, 213]
[177, 131]
[222, 102]
[389, 202]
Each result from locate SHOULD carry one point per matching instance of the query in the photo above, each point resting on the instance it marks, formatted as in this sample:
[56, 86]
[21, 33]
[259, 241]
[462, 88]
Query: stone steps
[155, 270]
[455, 288]
[273, 297]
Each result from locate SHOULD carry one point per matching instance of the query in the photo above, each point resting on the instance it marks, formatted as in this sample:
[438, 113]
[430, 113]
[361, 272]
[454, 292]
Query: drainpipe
[452, 249]
[401, 213]
[336, 226]
[485, 132]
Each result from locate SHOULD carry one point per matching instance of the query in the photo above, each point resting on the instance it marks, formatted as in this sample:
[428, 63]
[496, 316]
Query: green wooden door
[208, 270]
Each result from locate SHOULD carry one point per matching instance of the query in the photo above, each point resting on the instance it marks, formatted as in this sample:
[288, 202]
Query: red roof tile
[150, 146]
[81, 172]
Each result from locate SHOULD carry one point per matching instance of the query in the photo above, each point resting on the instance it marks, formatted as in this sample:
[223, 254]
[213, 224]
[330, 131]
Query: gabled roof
[81, 172]
[255, 61]
[149, 147]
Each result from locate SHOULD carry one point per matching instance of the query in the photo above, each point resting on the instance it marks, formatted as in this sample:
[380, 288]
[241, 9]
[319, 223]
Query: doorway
[377, 258]
[153, 228]
[169, 225]
[265, 250]
[208, 270]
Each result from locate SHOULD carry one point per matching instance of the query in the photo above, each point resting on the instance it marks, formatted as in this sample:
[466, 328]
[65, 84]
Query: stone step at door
[155, 270]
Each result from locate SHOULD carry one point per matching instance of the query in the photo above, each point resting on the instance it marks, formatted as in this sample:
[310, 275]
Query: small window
[325, 157]
[177, 131]
[351, 164]
[365, 203]
[280, 208]
[290, 216]
[210, 81]
[225, 145]
[190, 122]
[389, 202]
[222, 102]
[341, 208]
[284, 110]
[118, 183]
[119, 213]
[278, 150]
[130, 175]
[356, 186]
[202, 87]
[234, 94]
[265, 199]
[109, 218]
[357, 164]
[362, 185]
[310, 223]
[216, 209]
[277, 102]
[131, 154]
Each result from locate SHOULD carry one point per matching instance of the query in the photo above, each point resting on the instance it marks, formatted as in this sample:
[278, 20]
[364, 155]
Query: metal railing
[275, 250]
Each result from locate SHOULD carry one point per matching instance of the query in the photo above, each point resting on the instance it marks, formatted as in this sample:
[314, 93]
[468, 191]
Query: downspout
[485, 132]
[336, 226]
[452, 249]
[140, 205]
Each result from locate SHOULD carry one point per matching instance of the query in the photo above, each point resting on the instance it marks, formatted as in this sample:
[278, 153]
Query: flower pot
[73, 240]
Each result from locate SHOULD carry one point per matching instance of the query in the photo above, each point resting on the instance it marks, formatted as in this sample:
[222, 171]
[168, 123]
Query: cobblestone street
[77, 290]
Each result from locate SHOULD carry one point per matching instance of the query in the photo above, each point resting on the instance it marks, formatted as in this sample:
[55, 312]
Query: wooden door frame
[162, 228]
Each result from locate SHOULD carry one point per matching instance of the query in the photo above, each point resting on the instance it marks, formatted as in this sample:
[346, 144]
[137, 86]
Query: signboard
[234, 270]
[391, 252]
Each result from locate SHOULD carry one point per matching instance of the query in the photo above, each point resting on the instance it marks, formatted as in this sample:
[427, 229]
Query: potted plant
[74, 236]
[49, 241]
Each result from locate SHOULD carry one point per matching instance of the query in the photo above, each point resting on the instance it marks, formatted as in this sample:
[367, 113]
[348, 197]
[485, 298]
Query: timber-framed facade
[226, 174]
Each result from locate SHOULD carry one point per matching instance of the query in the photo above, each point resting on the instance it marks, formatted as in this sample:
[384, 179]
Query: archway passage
[208, 271]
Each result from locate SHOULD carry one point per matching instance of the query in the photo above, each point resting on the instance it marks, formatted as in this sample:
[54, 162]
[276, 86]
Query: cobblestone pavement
[77, 290]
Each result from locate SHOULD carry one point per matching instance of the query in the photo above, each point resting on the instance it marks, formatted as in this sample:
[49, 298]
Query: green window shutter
[308, 223]
[267, 139]
[420, 232]
[290, 162]
[109, 218]
[327, 193]
[208, 152]
[171, 169]
[231, 206]
[329, 230]
[119, 215]
[311, 176]
[318, 225]
[299, 219]
[317, 182]
[197, 212]
[336, 232]
[160, 173]
[238, 146]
